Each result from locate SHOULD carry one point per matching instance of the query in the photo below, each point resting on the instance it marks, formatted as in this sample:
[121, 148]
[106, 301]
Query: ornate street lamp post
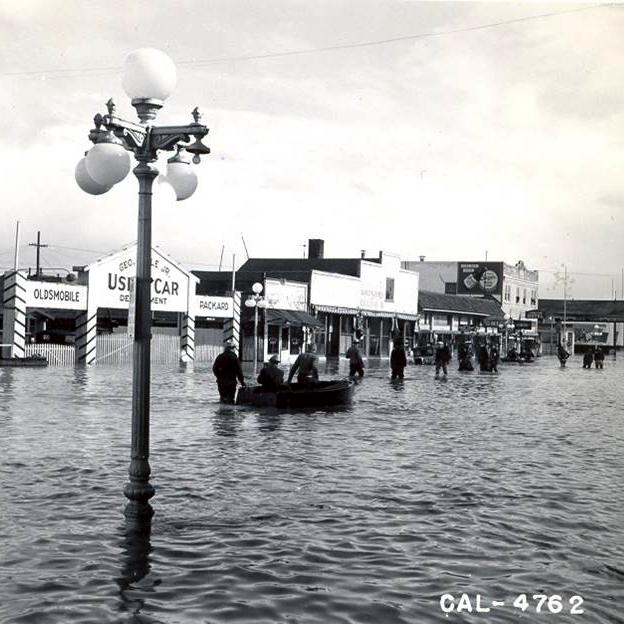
[149, 78]
[256, 301]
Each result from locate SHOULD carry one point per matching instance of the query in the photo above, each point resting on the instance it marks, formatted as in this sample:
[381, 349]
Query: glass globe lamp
[86, 182]
[181, 176]
[148, 74]
[107, 163]
[257, 288]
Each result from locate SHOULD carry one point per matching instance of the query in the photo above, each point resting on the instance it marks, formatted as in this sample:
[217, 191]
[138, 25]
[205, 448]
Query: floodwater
[495, 485]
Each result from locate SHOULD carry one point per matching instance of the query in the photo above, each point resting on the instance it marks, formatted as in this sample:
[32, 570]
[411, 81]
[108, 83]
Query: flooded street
[490, 484]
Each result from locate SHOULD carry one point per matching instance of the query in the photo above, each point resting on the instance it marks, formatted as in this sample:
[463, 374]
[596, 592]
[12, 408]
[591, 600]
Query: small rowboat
[319, 394]
[31, 360]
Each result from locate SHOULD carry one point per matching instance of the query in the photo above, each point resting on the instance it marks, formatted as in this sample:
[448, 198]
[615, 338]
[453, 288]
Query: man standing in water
[356, 364]
[442, 358]
[398, 359]
[562, 354]
[227, 369]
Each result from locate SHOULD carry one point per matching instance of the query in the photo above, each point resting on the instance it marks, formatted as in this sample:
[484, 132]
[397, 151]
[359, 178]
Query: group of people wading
[229, 373]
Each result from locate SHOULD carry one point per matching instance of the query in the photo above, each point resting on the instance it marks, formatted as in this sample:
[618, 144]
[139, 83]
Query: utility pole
[38, 245]
[565, 302]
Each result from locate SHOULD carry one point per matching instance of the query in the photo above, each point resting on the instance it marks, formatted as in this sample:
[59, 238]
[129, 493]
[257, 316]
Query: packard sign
[213, 307]
[55, 295]
[479, 278]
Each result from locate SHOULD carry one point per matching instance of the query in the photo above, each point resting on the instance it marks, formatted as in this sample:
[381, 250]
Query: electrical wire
[346, 46]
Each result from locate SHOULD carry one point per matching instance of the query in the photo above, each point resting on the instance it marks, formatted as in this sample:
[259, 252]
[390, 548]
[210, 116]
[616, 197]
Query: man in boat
[227, 369]
[588, 359]
[398, 359]
[306, 365]
[356, 363]
[271, 376]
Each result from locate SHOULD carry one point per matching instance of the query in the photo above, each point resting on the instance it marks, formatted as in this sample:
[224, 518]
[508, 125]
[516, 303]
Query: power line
[345, 46]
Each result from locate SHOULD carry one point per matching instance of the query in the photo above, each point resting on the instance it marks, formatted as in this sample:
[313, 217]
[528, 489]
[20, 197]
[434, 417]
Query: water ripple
[497, 485]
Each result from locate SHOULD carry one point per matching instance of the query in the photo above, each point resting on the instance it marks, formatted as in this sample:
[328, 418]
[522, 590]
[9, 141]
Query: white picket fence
[165, 349]
[57, 354]
[116, 349]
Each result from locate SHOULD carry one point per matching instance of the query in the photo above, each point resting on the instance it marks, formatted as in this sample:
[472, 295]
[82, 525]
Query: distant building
[515, 287]
[581, 324]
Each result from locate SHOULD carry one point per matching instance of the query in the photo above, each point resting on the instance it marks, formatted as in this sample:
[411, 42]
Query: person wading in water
[227, 369]
[356, 364]
[398, 360]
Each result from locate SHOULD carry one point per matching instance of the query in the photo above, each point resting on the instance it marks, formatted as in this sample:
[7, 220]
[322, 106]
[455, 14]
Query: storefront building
[447, 317]
[369, 299]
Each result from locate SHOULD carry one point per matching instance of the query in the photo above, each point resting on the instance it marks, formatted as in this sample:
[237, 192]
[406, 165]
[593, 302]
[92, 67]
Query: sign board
[55, 295]
[479, 278]
[285, 295]
[110, 282]
[522, 325]
[213, 307]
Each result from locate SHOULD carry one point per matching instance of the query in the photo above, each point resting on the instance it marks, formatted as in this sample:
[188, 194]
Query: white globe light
[148, 73]
[108, 163]
[257, 288]
[86, 182]
[163, 194]
[250, 303]
[183, 179]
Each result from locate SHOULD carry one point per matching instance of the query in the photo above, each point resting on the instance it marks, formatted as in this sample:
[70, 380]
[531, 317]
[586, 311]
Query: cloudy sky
[462, 128]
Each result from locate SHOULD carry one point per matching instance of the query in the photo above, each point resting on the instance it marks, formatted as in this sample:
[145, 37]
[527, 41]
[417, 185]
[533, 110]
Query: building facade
[515, 287]
[368, 299]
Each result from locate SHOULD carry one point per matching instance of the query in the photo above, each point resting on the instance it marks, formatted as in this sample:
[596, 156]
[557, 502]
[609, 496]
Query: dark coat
[443, 355]
[227, 368]
[271, 376]
[398, 359]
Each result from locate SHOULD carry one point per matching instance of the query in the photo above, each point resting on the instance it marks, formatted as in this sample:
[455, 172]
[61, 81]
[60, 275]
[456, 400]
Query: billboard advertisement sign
[479, 278]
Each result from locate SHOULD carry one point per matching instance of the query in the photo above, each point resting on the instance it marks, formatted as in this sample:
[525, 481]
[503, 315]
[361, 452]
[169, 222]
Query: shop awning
[292, 317]
[370, 313]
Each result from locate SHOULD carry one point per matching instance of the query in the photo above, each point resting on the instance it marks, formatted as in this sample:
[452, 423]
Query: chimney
[422, 258]
[363, 254]
[316, 248]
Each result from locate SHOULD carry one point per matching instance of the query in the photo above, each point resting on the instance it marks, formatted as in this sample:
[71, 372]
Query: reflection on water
[496, 484]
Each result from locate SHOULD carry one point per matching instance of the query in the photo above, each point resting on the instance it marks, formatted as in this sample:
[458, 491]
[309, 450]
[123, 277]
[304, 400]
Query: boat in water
[31, 360]
[320, 394]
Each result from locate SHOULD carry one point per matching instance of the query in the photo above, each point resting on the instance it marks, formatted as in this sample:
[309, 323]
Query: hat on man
[274, 359]
[229, 344]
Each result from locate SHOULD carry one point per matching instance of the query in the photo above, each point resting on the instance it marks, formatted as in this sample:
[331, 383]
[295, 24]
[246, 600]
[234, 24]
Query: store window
[273, 339]
[389, 289]
[285, 338]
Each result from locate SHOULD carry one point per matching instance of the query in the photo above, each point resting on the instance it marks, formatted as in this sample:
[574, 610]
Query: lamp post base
[139, 490]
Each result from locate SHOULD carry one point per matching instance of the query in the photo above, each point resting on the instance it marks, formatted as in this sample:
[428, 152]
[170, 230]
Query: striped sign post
[231, 326]
[86, 336]
[187, 337]
[14, 314]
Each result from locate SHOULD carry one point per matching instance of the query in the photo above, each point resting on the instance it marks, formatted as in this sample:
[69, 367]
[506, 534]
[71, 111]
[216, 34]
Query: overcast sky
[506, 139]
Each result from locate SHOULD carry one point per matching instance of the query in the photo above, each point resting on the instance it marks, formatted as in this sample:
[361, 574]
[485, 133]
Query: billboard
[479, 278]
